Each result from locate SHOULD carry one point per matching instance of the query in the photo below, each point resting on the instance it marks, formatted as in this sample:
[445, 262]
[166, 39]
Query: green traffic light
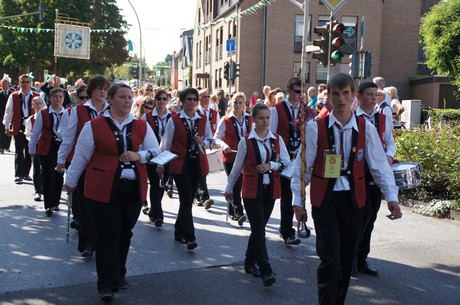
[336, 56]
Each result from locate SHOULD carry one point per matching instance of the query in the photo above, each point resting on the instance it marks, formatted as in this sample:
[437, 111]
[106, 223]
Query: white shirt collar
[290, 105]
[51, 110]
[182, 115]
[155, 113]
[232, 114]
[351, 123]
[89, 103]
[126, 121]
[253, 134]
[360, 111]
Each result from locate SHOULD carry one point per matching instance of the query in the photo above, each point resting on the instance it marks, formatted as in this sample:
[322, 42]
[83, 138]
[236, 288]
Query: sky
[162, 22]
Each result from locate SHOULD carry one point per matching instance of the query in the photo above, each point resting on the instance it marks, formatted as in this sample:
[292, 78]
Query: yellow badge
[332, 164]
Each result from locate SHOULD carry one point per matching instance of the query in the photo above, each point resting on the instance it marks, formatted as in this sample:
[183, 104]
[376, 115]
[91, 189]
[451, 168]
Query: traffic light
[235, 70]
[354, 65]
[135, 71]
[337, 42]
[226, 70]
[323, 43]
[367, 64]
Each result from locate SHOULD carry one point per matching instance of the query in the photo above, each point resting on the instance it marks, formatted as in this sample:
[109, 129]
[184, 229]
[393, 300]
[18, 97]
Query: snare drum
[407, 175]
[215, 160]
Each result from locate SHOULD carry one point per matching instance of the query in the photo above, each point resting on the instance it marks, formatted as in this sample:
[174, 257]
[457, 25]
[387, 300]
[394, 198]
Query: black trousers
[114, 222]
[338, 229]
[3, 137]
[156, 192]
[370, 211]
[37, 175]
[235, 209]
[258, 212]
[287, 212]
[22, 161]
[52, 180]
[187, 183]
[202, 193]
[86, 229]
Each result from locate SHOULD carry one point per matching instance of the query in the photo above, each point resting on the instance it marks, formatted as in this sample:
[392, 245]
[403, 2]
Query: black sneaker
[180, 238]
[106, 296]
[27, 178]
[291, 241]
[241, 220]
[74, 224]
[49, 212]
[191, 245]
[123, 283]
[17, 180]
[88, 252]
[158, 222]
[269, 279]
[252, 270]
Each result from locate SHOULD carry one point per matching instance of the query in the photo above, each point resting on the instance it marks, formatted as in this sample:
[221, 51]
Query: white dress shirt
[38, 127]
[274, 114]
[387, 136]
[68, 137]
[387, 110]
[222, 127]
[7, 118]
[206, 112]
[168, 137]
[373, 151]
[85, 148]
[241, 157]
[154, 112]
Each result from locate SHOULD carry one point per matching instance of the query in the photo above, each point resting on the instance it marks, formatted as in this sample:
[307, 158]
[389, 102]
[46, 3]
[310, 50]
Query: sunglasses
[164, 98]
[205, 96]
[25, 81]
[148, 107]
[297, 91]
[191, 99]
[81, 97]
[148, 89]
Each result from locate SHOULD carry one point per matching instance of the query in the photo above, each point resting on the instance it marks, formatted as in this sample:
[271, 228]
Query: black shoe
[106, 296]
[363, 267]
[88, 252]
[269, 279]
[49, 212]
[180, 238]
[208, 204]
[252, 270]
[7, 150]
[169, 193]
[291, 240]
[38, 197]
[198, 203]
[241, 220]
[56, 208]
[191, 245]
[123, 283]
[27, 178]
[158, 222]
[2, 151]
[74, 224]
[145, 210]
[17, 180]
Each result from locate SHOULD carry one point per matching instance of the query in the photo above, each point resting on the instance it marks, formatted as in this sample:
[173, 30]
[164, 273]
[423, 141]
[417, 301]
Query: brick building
[268, 41]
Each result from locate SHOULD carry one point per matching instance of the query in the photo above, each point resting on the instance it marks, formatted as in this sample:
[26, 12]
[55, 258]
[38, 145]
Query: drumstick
[235, 151]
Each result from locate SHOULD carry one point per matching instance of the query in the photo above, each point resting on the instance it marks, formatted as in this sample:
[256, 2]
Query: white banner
[71, 41]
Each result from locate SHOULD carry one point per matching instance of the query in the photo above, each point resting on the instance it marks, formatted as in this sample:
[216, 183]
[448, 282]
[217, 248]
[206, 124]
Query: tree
[440, 34]
[35, 51]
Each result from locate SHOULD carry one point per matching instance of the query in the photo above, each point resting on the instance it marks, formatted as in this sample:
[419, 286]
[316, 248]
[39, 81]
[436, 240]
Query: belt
[124, 180]
[266, 186]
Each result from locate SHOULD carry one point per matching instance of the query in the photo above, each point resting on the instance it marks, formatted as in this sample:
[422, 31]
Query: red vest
[212, 119]
[232, 138]
[322, 188]
[18, 118]
[103, 170]
[83, 117]
[252, 180]
[283, 122]
[380, 121]
[47, 135]
[154, 121]
[180, 146]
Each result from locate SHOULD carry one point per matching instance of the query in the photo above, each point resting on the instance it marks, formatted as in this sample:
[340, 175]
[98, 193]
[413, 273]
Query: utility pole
[140, 43]
[306, 37]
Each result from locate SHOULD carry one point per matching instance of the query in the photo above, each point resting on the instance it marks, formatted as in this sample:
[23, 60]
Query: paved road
[418, 259]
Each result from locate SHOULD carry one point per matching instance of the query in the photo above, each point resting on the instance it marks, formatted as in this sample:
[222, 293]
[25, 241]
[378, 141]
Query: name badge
[332, 164]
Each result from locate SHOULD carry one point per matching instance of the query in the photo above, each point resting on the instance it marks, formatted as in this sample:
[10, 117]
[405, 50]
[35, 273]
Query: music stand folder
[164, 158]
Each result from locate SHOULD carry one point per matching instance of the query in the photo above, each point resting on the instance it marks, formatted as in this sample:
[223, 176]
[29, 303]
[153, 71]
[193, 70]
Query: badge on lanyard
[332, 163]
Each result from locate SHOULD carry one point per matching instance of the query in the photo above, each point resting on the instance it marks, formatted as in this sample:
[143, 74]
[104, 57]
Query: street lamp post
[140, 43]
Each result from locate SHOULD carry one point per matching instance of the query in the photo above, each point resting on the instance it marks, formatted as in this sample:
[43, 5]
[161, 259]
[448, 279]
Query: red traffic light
[338, 29]
[337, 42]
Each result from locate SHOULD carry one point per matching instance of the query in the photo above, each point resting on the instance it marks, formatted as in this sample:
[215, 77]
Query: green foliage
[440, 33]
[438, 152]
[35, 51]
[450, 116]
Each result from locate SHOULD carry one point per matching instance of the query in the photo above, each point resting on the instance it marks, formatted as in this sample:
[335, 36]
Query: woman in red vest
[45, 141]
[231, 129]
[187, 134]
[113, 149]
[261, 155]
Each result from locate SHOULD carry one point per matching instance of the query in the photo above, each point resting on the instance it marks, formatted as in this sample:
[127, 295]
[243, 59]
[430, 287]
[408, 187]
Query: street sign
[349, 31]
[231, 45]
[334, 5]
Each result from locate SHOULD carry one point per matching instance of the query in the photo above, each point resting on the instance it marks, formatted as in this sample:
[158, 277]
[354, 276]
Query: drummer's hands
[198, 141]
[300, 213]
[226, 149]
[130, 156]
[263, 168]
[395, 210]
[390, 160]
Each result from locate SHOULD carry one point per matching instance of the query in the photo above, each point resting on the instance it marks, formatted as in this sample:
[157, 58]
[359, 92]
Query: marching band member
[202, 193]
[337, 147]
[79, 115]
[231, 129]
[46, 134]
[367, 97]
[187, 134]
[157, 119]
[261, 155]
[113, 149]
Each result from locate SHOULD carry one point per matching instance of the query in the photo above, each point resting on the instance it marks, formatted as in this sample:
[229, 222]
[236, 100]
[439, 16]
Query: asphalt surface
[418, 258]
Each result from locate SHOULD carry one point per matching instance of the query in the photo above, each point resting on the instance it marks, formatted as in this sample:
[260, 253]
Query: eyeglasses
[205, 96]
[148, 107]
[25, 81]
[164, 98]
[82, 97]
[191, 99]
[148, 89]
[297, 91]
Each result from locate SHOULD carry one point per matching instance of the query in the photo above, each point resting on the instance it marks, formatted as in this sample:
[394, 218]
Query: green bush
[449, 116]
[438, 152]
